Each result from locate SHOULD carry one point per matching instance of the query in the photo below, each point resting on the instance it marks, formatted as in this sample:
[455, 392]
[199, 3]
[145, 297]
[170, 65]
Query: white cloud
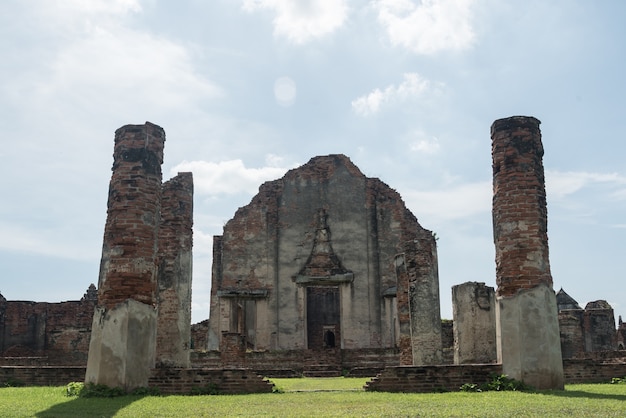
[467, 200]
[65, 8]
[202, 264]
[421, 143]
[413, 85]
[155, 69]
[68, 18]
[429, 26]
[46, 242]
[94, 58]
[303, 20]
[285, 91]
[452, 203]
[426, 146]
[228, 177]
[273, 160]
[560, 184]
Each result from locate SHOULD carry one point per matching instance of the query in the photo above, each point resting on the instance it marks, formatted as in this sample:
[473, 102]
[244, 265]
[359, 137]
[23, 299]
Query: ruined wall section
[621, 334]
[599, 326]
[268, 242]
[408, 265]
[58, 332]
[335, 185]
[392, 225]
[571, 328]
[528, 340]
[215, 317]
[174, 272]
[474, 310]
[423, 297]
[244, 269]
[128, 265]
[520, 216]
[123, 337]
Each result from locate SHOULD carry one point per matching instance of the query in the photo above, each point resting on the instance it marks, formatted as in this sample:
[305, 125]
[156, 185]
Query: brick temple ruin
[145, 267]
[327, 259]
[325, 272]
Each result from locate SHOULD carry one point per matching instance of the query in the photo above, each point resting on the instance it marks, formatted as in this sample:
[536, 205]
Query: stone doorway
[323, 317]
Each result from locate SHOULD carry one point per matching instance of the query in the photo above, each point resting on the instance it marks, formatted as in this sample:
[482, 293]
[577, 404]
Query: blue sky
[246, 90]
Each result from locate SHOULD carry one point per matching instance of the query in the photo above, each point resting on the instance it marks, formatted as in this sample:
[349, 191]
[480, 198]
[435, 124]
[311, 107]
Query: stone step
[325, 366]
[321, 373]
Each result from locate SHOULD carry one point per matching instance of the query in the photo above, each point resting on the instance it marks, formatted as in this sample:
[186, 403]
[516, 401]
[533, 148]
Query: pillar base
[528, 340]
[122, 346]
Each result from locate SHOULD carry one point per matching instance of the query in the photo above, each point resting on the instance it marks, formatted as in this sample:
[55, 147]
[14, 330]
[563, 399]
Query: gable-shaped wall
[322, 225]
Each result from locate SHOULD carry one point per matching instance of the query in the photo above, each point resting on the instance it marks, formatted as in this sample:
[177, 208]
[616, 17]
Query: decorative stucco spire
[323, 265]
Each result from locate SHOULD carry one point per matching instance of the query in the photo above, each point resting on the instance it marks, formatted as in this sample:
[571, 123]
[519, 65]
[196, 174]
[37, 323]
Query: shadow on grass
[90, 407]
[584, 394]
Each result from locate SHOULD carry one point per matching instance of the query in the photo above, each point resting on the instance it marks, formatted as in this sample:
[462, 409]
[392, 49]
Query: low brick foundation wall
[205, 359]
[241, 380]
[25, 361]
[591, 371]
[422, 379]
[222, 381]
[366, 362]
[41, 375]
[168, 380]
[293, 363]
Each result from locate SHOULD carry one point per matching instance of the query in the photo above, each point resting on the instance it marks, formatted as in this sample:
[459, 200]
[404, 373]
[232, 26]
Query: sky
[248, 89]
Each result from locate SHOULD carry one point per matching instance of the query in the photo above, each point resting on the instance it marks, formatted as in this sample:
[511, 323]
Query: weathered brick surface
[431, 378]
[276, 248]
[598, 369]
[225, 381]
[601, 368]
[128, 265]
[599, 326]
[474, 307]
[291, 363]
[56, 333]
[572, 333]
[425, 318]
[528, 341]
[144, 294]
[621, 334]
[447, 341]
[174, 272]
[520, 217]
[233, 350]
[589, 330]
[593, 370]
[199, 335]
[41, 375]
[404, 316]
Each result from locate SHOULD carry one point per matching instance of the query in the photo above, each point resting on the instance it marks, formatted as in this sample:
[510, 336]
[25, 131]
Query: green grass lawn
[323, 397]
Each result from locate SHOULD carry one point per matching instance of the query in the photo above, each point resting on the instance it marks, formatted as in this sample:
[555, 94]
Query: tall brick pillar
[419, 313]
[174, 276]
[527, 328]
[123, 336]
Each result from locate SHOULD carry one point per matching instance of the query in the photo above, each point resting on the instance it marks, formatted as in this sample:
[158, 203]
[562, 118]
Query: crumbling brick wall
[128, 265]
[473, 305]
[599, 326]
[199, 335]
[585, 331]
[528, 342]
[174, 272]
[572, 333]
[264, 253]
[57, 332]
[148, 227]
[520, 216]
